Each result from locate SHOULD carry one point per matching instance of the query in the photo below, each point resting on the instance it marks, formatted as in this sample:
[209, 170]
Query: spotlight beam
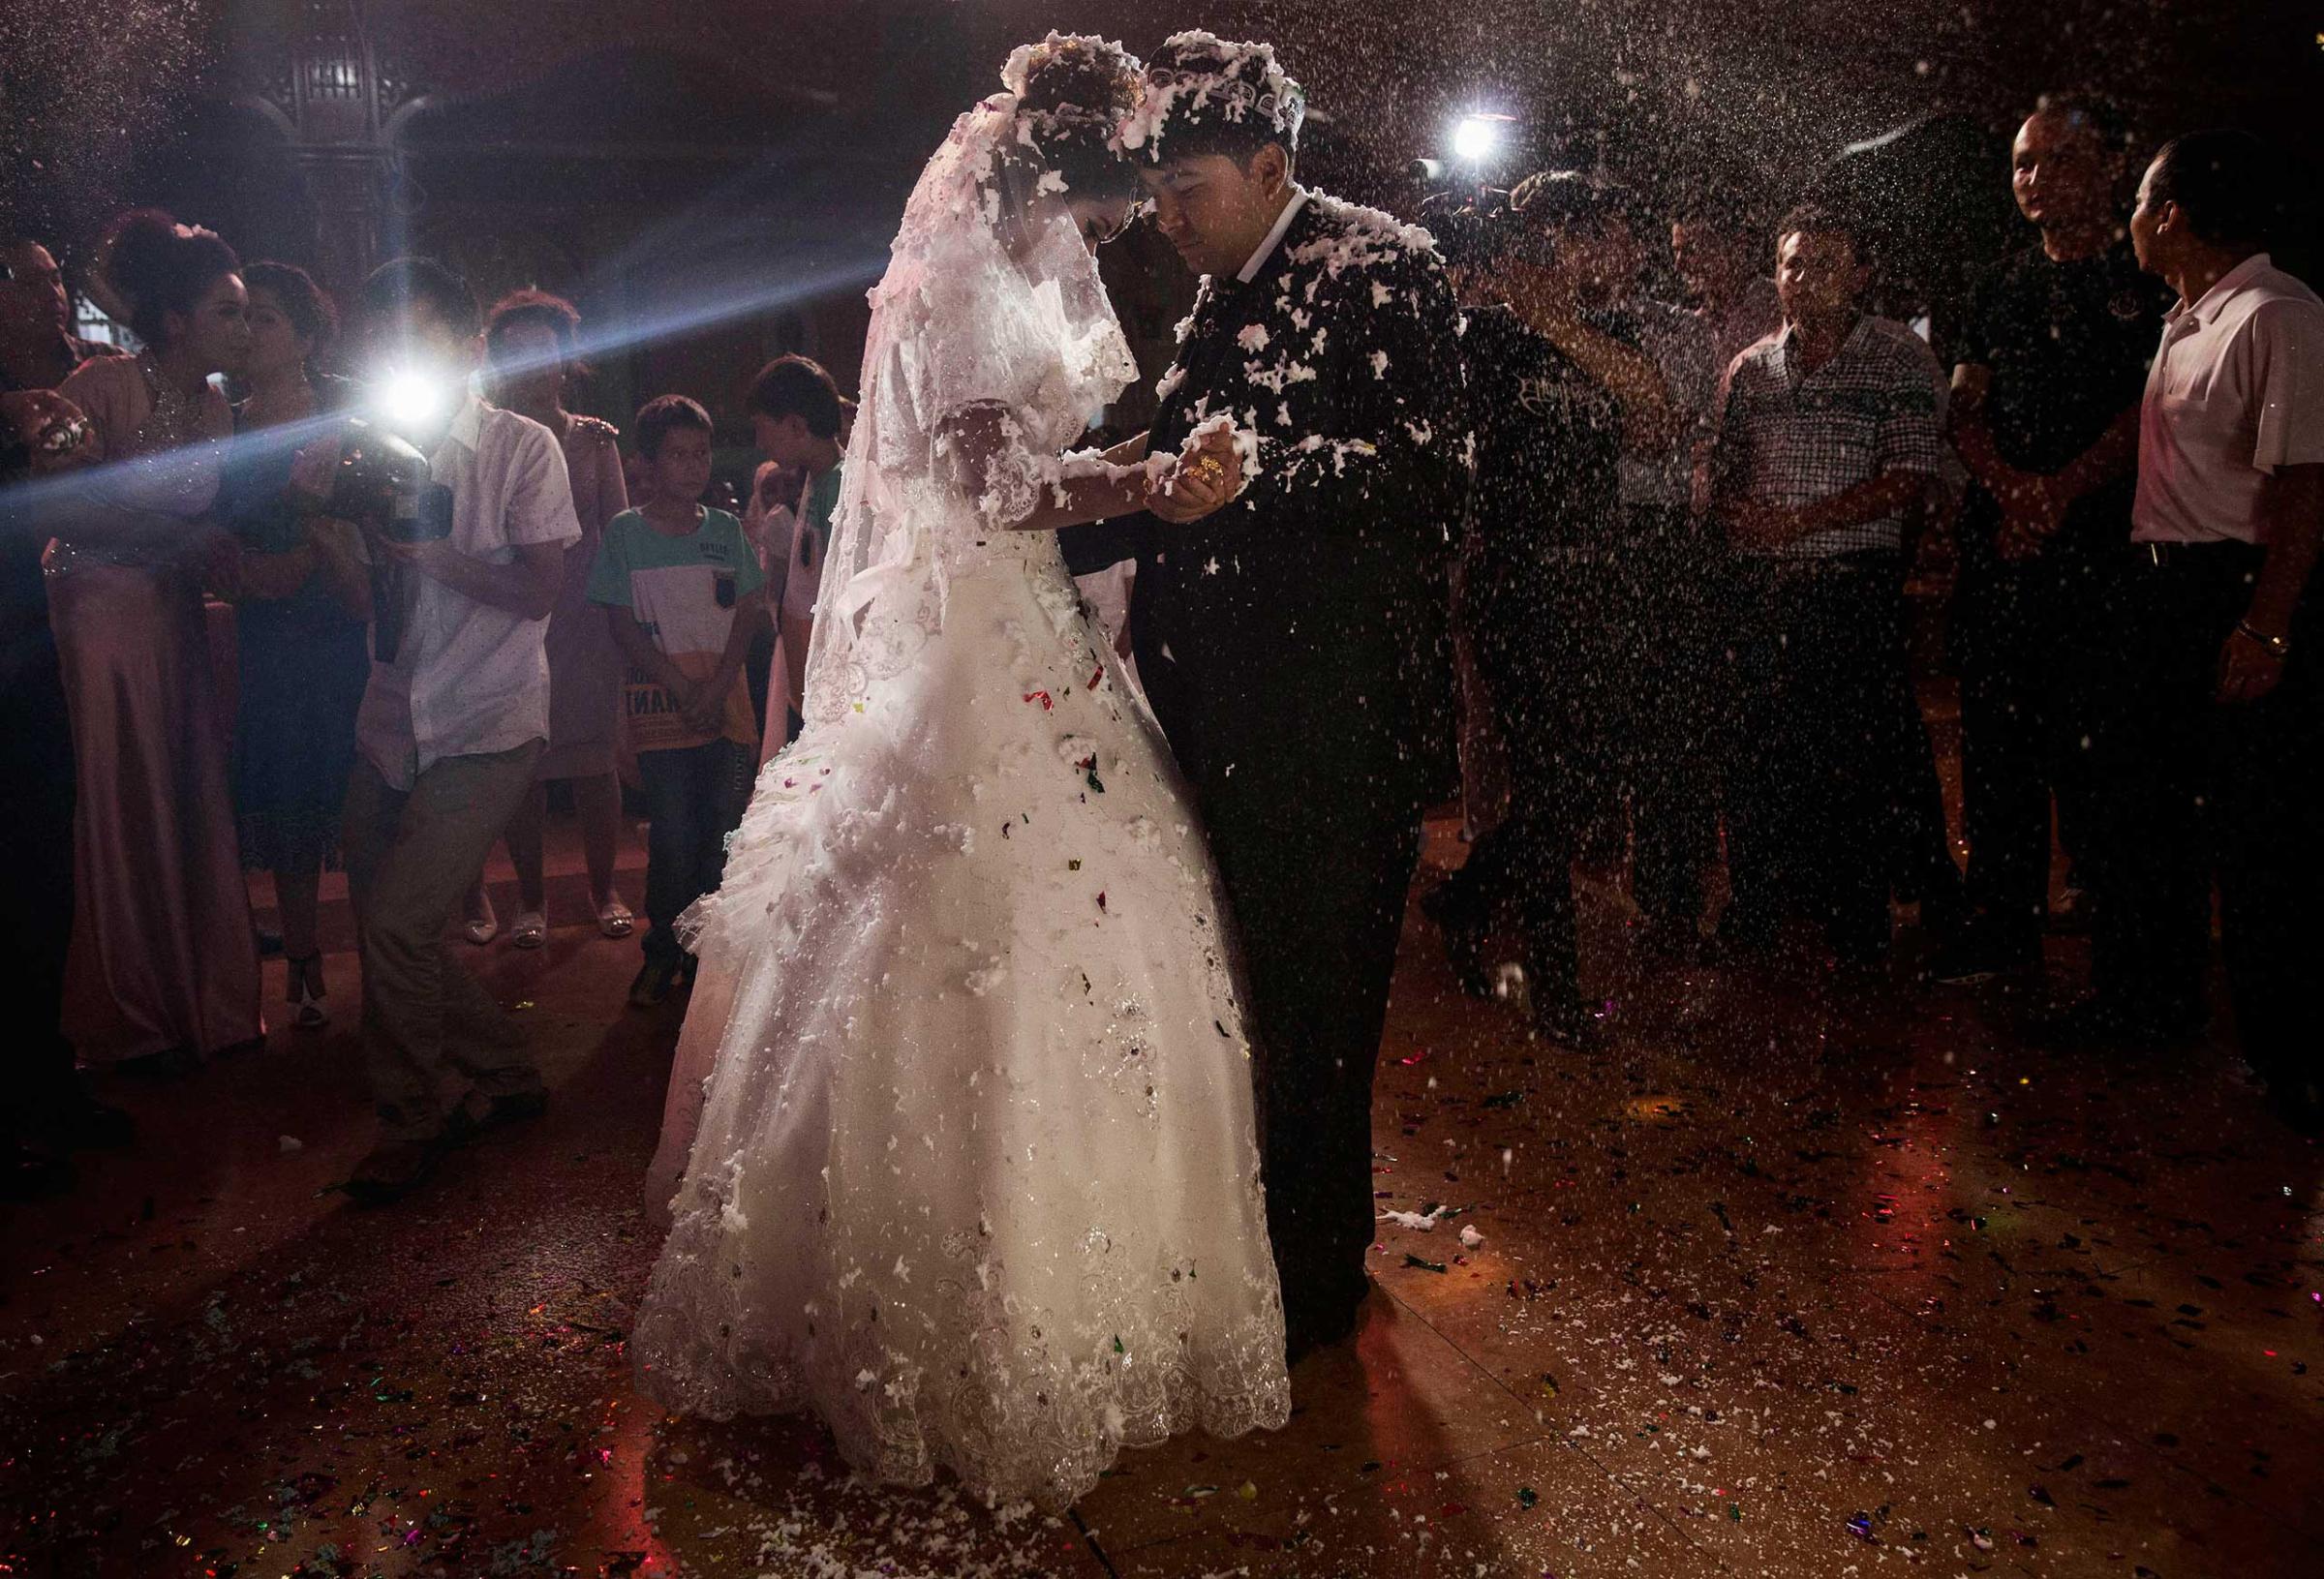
[51, 506]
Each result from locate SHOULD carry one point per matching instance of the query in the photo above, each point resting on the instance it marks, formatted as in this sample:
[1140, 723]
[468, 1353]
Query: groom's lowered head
[1216, 139]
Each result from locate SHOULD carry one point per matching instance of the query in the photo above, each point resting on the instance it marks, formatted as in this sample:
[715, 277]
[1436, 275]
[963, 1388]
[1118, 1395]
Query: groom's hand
[1205, 476]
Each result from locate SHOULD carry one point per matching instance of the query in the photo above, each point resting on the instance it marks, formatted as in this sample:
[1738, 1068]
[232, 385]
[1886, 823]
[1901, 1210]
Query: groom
[1289, 642]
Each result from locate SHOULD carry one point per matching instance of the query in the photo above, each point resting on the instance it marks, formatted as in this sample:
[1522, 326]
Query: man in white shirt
[2217, 720]
[447, 735]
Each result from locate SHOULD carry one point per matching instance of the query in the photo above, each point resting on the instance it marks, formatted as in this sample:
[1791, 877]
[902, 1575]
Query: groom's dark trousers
[1292, 647]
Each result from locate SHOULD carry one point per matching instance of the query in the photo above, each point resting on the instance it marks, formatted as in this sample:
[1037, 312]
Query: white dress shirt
[469, 678]
[2236, 391]
[1274, 236]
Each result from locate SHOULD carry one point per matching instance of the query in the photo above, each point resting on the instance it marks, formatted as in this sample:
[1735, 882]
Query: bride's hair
[1073, 92]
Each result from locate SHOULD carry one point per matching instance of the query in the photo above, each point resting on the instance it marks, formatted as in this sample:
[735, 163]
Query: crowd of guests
[572, 612]
[1680, 603]
[2118, 439]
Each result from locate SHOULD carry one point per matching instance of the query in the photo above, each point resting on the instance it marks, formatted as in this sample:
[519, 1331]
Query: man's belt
[2166, 556]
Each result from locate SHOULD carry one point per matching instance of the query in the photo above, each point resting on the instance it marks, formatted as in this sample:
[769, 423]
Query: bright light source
[409, 400]
[1475, 137]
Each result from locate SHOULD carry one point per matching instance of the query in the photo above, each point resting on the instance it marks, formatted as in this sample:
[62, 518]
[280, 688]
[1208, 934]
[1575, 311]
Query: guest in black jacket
[1292, 643]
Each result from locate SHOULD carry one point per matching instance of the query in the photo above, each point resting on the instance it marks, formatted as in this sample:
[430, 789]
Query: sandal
[530, 931]
[307, 997]
[614, 917]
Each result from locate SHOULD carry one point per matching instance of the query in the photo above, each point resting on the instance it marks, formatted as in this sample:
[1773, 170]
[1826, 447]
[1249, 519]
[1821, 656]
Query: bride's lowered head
[1072, 93]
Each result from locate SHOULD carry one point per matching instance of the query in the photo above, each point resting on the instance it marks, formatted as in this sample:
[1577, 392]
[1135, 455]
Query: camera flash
[408, 400]
[1475, 136]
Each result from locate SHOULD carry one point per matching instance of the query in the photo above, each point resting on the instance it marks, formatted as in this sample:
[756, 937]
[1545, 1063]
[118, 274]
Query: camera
[1472, 229]
[383, 484]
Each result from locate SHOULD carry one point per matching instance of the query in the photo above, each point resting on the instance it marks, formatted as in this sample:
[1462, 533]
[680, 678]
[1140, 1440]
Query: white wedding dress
[961, 1135]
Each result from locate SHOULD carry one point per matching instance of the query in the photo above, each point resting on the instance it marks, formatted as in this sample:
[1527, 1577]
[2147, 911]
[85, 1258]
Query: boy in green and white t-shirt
[679, 583]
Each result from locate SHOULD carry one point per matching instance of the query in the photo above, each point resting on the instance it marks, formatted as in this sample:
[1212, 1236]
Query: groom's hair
[797, 386]
[1208, 95]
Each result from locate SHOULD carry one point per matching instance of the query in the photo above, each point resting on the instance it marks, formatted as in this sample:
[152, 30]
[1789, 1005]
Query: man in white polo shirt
[2217, 732]
[448, 732]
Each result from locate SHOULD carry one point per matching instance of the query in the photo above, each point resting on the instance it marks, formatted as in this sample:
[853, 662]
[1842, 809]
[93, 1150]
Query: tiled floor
[1793, 1280]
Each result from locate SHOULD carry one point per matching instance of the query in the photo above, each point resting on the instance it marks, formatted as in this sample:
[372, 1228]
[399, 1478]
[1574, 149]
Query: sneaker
[655, 981]
[310, 1006]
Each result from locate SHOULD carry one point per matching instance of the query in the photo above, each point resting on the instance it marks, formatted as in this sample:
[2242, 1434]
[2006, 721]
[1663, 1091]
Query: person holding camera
[454, 720]
[1561, 390]
[680, 584]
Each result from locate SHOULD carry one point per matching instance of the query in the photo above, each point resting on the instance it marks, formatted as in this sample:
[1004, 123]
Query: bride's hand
[1204, 476]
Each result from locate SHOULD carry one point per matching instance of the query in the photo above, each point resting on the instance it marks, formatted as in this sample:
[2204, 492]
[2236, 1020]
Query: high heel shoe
[482, 930]
[310, 1005]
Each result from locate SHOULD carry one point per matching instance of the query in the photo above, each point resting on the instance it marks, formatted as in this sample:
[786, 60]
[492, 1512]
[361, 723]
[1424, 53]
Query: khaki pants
[434, 1042]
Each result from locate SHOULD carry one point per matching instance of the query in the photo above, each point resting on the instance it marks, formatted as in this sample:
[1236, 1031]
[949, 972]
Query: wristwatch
[2278, 647]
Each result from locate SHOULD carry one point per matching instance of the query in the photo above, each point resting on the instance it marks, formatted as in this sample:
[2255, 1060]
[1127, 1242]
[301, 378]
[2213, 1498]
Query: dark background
[717, 181]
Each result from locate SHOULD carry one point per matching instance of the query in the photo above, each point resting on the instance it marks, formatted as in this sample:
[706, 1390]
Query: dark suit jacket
[1302, 623]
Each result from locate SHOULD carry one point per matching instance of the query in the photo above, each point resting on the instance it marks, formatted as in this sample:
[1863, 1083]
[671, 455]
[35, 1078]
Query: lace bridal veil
[984, 290]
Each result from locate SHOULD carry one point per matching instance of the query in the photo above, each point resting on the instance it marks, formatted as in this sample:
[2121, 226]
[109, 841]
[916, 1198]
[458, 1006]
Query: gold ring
[1208, 466]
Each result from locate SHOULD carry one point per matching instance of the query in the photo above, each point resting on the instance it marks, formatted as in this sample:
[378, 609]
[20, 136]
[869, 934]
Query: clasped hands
[1206, 473]
[701, 703]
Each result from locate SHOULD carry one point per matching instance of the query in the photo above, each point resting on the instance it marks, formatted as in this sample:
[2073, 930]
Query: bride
[960, 1134]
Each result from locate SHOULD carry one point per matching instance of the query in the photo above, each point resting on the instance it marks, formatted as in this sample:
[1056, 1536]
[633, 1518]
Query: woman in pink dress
[530, 342]
[163, 958]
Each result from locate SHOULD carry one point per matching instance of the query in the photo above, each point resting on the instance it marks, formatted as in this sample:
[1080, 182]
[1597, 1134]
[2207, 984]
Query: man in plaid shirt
[1828, 443]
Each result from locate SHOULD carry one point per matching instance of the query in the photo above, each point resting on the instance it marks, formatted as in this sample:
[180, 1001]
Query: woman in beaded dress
[165, 960]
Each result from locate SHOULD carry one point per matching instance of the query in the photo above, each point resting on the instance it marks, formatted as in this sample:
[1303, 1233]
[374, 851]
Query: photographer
[452, 722]
[1562, 392]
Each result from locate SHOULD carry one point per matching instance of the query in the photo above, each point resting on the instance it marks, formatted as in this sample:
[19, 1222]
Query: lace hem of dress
[1016, 1421]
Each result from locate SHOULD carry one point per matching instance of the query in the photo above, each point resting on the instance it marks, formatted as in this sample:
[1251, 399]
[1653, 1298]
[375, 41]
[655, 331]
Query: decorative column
[312, 67]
